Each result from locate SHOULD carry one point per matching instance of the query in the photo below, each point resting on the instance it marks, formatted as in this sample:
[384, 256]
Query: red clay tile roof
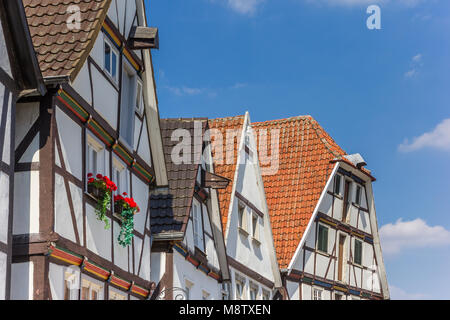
[306, 152]
[226, 169]
[60, 51]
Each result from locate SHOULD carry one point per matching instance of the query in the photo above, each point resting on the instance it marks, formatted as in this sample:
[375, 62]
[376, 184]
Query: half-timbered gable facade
[99, 117]
[245, 216]
[188, 254]
[19, 76]
[323, 216]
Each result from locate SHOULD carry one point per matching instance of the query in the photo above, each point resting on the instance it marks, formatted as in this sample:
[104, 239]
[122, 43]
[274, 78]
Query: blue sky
[382, 93]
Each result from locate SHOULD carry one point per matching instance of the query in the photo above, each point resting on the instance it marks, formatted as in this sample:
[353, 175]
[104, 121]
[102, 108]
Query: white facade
[349, 255]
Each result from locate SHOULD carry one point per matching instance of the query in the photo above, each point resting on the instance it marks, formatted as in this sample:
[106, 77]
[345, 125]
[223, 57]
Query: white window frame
[242, 218]
[253, 287]
[197, 225]
[255, 228]
[108, 42]
[265, 294]
[354, 251]
[123, 181]
[71, 282]
[239, 280]
[139, 97]
[114, 294]
[328, 238]
[225, 291]
[93, 145]
[188, 285]
[93, 286]
[319, 295]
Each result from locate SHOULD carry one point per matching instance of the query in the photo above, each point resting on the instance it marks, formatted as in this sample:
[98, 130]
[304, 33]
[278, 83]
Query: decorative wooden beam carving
[143, 38]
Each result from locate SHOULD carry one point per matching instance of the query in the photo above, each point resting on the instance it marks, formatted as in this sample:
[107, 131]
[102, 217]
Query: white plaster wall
[306, 292]
[106, 98]
[137, 131]
[70, 137]
[129, 16]
[183, 270]
[63, 218]
[4, 207]
[137, 253]
[98, 239]
[140, 195]
[26, 115]
[293, 290]
[82, 84]
[26, 202]
[145, 262]
[3, 264]
[144, 146]
[158, 266]
[326, 205]
[112, 13]
[120, 253]
[22, 281]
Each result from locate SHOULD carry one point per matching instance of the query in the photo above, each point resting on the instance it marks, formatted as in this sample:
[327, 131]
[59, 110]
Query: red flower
[99, 176]
[91, 180]
[125, 194]
[90, 175]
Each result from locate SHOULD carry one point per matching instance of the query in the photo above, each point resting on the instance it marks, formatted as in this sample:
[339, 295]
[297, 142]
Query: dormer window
[110, 60]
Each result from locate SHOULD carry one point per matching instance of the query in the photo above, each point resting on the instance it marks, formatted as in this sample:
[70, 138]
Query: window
[128, 104]
[240, 288]
[71, 284]
[116, 295]
[358, 195]
[110, 60]
[91, 290]
[338, 296]
[337, 184]
[120, 176]
[322, 239]
[242, 217]
[255, 227]
[197, 225]
[96, 156]
[205, 295]
[317, 294]
[357, 259]
[139, 100]
[253, 291]
[188, 289]
[225, 291]
[265, 294]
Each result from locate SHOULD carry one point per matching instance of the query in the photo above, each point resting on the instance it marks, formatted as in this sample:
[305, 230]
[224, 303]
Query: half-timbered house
[188, 253]
[245, 215]
[19, 76]
[100, 117]
[323, 216]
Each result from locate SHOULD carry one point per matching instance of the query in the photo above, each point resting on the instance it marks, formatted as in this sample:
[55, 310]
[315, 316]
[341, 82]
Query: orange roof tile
[305, 156]
[227, 168]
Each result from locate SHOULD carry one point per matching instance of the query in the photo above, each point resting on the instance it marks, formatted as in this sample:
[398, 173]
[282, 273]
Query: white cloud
[438, 138]
[416, 64]
[239, 85]
[400, 294]
[408, 3]
[412, 234]
[185, 91]
[244, 6]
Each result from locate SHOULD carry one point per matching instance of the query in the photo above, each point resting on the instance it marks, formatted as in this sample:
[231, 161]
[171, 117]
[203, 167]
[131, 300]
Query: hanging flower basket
[125, 208]
[101, 188]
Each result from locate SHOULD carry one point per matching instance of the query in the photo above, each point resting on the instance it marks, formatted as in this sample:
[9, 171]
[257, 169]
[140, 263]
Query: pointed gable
[306, 155]
[227, 169]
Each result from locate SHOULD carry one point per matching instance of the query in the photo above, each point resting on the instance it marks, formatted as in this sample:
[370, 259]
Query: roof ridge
[284, 120]
[228, 118]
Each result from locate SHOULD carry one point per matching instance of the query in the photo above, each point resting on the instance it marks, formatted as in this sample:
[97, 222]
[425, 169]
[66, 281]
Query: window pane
[107, 57]
[323, 239]
[358, 195]
[337, 184]
[358, 252]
